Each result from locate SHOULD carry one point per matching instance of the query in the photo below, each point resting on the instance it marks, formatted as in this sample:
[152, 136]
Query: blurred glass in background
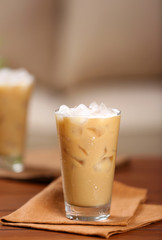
[15, 91]
[82, 51]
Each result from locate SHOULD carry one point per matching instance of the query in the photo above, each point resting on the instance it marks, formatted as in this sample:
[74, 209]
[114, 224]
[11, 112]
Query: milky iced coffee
[15, 90]
[88, 139]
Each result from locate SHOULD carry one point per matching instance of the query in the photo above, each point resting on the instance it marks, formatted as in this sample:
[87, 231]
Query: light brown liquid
[88, 150]
[13, 112]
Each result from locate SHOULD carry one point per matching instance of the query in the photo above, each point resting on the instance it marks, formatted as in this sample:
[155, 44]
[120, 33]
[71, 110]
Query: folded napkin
[43, 164]
[46, 211]
[145, 215]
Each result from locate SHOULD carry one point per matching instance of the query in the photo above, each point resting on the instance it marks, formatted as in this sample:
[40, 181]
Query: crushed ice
[12, 77]
[94, 110]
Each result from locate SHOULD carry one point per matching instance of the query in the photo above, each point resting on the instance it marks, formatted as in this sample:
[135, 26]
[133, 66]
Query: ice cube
[104, 165]
[94, 106]
[81, 110]
[64, 109]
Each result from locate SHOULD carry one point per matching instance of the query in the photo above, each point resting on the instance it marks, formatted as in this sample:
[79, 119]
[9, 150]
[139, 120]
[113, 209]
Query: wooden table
[139, 172]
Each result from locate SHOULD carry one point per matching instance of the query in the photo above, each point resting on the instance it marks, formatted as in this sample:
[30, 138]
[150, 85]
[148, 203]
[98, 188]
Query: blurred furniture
[136, 173]
[81, 51]
[65, 42]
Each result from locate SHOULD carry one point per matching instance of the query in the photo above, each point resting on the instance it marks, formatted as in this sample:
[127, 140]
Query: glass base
[11, 163]
[87, 213]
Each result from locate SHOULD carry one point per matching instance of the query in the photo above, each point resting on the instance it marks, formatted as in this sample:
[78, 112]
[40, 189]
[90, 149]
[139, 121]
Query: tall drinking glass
[88, 150]
[15, 90]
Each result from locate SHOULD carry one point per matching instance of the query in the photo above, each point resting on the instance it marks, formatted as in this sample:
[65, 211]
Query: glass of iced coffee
[88, 138]
[15, 90]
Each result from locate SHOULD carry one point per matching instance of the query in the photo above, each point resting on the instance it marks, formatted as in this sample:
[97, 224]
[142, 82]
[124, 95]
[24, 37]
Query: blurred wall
[27, 32]
[109, 50]
[63, 42]
[110, 39]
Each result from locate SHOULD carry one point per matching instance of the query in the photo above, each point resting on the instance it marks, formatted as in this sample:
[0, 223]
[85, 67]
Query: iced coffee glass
[15, 90]
[88, 139]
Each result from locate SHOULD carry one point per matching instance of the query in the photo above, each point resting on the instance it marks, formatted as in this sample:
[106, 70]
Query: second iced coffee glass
[88, 151]
[15, 90]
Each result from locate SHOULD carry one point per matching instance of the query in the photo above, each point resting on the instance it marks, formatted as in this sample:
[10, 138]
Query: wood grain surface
[139, 171]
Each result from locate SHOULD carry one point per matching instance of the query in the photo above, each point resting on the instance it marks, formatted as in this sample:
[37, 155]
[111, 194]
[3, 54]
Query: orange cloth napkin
[46, 211]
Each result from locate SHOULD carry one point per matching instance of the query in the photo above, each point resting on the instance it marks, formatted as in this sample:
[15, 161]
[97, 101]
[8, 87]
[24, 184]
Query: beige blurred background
[79, 51]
